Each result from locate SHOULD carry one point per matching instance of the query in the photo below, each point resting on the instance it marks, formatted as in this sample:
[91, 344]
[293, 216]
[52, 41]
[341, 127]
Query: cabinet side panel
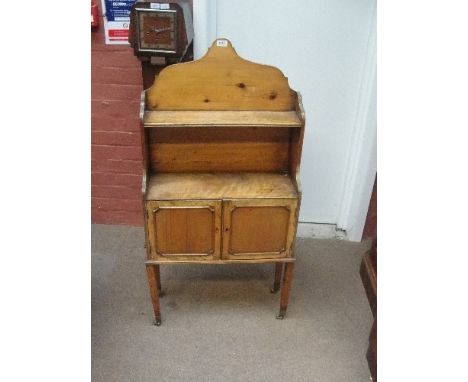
[297, 139]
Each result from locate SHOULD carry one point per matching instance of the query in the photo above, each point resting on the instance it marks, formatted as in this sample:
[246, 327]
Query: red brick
[117, 217]
[115, 109]
[124, 59]
[123, 76]
[99, 152]
[115, 138]
[113, 179]
[109, 123]
[116, 152]
[98, 45]
[115, 192]
[114, 92]
[117, 166]
[111, 204]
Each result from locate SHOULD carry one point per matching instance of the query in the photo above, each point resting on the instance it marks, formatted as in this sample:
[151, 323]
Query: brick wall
[116, 144]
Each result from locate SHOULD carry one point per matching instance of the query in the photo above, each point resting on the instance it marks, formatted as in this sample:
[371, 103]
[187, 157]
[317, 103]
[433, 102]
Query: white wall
[321, 46]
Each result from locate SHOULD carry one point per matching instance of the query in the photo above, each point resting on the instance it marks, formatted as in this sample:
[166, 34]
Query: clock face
[157, 30]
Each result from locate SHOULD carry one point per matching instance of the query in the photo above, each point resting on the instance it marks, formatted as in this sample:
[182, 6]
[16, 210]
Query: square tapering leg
[287, 281]
[158, 278]
[154, 285]
[278, 273]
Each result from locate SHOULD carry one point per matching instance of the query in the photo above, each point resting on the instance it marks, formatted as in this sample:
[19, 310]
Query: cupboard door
[184, 229]
[258, 228]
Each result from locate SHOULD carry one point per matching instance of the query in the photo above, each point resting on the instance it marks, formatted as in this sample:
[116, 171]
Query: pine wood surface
[287, 282]
[296, 143]
[221, 80]
[221, 118]
[184, 229]
[263, 228]
[169, 261]
[153, 281]
[214, 148]
[174, 186]
[217, 134]
[258, 228]
[222, 156]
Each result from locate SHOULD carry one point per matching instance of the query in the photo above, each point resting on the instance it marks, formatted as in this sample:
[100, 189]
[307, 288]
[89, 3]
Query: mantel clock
[161, 33]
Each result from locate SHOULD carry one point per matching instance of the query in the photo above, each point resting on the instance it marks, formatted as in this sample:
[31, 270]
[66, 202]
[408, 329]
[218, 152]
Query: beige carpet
[219, 320]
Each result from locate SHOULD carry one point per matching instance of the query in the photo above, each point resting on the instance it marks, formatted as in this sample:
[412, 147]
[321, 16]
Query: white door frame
[362, 153]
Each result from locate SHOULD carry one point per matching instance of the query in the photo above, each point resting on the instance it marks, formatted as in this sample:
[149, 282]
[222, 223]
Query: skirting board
[320, 231]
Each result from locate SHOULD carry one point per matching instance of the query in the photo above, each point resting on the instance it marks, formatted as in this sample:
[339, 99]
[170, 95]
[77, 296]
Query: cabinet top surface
[221, 80]
[173, 186]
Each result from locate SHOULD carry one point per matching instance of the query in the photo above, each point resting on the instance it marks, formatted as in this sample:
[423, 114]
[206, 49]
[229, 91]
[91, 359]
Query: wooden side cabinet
[222, 141]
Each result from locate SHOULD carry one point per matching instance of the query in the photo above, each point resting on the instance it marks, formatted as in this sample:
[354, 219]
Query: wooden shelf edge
[221, 261]
[214, 186]
[222, 198]
[221, 119]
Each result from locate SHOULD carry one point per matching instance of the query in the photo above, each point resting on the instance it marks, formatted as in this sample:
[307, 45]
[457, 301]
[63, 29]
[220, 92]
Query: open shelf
[240, 185]
[221, 118]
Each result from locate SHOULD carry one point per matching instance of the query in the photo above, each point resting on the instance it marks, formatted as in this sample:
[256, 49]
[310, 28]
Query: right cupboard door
[258, 228]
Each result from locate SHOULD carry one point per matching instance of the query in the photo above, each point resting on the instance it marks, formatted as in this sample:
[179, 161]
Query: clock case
[183, 31]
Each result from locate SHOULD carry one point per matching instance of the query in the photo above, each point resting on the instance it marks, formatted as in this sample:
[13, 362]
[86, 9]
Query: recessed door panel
[184, 229]
[258, 228]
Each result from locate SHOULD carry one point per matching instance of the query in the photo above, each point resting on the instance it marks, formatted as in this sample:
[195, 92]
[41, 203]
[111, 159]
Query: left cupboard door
[184, 229]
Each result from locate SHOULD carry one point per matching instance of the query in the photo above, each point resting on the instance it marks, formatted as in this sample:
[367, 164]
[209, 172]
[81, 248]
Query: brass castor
[274, 289]
[157, 322]
[281, 314]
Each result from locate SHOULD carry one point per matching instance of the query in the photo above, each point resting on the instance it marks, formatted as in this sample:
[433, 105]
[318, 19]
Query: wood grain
[184, 229]
[221, 80]
[221, 156]
[153, 281]
[221, 118]
[218, 134]
[174, 186]
[286, 289]
[278, 274]
[295, 147]
[212, 148]
[258, 228]
[166, 261]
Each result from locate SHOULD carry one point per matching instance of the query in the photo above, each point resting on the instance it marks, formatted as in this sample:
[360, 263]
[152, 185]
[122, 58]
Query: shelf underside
[173, 186]
[221, 118]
